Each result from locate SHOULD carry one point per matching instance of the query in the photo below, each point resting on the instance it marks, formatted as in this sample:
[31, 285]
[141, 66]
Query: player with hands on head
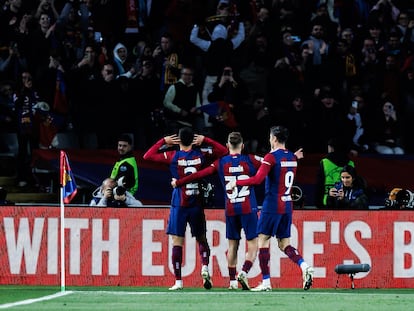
[186, 202]
[279, 169]
[240, 206]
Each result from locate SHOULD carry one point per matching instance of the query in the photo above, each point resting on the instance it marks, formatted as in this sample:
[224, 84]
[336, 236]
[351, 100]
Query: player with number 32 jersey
[232, 167]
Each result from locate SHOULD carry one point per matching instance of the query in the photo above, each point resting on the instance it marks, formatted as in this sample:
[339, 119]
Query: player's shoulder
[283, 153]
[280, 154]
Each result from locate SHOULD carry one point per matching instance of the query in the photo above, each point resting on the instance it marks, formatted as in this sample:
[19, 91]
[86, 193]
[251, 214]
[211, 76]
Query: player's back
[237, 167]
[184, 163]
[279, 182]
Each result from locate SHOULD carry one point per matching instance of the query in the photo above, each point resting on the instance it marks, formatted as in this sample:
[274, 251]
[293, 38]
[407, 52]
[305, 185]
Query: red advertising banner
[129, 247]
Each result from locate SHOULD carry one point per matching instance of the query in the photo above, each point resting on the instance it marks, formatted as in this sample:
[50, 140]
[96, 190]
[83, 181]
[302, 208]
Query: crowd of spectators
[103, 67]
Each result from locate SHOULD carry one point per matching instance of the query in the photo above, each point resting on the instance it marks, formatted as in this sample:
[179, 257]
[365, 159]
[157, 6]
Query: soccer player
[186, 206]
[279, 168]
[240, 206]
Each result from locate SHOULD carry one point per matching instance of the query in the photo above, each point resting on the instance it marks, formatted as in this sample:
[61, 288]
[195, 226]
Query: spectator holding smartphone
[329, 170]
[350, 192]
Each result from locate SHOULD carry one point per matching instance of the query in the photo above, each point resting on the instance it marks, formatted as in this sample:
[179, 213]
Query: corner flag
[67, 179]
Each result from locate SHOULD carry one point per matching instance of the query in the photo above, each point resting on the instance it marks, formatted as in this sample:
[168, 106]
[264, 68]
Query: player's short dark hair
[235, 139]
[280, 132]
[186, 135]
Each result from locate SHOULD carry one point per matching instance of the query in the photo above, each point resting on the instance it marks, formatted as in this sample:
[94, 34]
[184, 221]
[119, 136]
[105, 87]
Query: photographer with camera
[349, 193]
[110, 194]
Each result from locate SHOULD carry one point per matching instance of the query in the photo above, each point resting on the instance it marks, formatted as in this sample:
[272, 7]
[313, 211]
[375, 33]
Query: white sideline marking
[30, 301]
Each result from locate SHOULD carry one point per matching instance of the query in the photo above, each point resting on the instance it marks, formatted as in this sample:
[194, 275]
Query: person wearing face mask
[350, 192]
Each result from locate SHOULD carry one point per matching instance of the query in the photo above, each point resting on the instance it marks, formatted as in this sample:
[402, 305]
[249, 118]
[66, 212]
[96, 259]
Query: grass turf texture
[159, 298]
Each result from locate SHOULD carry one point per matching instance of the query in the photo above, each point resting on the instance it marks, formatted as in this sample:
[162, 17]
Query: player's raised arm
[153, 153]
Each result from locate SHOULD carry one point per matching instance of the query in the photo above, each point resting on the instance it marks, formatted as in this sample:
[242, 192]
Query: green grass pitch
[159, 298]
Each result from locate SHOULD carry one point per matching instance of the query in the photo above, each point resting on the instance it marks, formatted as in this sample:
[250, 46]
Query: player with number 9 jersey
[279, 169]
[278, 185]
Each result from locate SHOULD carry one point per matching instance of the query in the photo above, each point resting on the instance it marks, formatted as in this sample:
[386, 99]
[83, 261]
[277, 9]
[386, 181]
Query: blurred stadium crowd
[98, 68]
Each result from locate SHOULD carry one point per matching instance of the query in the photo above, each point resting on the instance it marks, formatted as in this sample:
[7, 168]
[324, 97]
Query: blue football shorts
[275, 224]
[180, 216]
[247, 222]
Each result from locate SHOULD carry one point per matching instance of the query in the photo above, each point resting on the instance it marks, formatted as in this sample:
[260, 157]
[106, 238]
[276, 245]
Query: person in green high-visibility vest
[329, 171]
[125, 170]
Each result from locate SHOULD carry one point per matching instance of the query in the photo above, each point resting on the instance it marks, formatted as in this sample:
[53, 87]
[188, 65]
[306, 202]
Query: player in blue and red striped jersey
[240, 206]
[186, 203]
[279, 169]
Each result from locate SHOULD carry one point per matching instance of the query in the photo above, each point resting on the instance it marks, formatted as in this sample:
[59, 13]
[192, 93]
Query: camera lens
[119, 190]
